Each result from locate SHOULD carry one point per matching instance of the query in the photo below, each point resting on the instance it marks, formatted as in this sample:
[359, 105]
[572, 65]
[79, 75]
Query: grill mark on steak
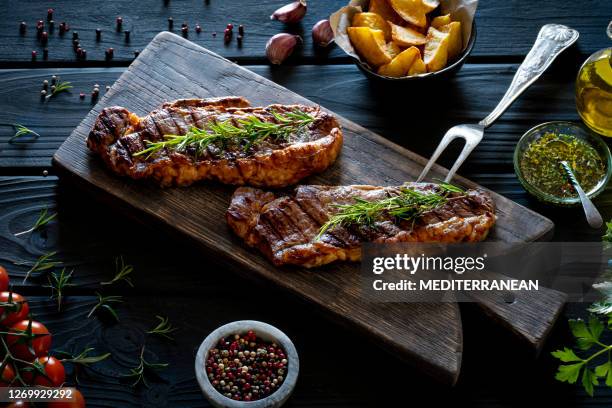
[284, 227]
[117, 135]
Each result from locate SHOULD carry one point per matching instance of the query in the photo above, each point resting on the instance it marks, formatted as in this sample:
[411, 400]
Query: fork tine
[470, 144]
[448, 137]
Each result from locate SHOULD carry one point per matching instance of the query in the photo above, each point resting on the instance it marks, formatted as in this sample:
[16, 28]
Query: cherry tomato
[77, 402]
[8, 375]
[4, 279]
[55, 375]
[16, 313]
[39, 341]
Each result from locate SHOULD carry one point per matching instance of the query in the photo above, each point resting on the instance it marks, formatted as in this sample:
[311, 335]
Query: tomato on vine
[46, 371]
[28, 339]
[13, 308]
[78, 401]
[4, 279]
[7, 376]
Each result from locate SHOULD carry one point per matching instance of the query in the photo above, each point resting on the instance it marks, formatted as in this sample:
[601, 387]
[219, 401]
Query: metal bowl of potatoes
[449, 70]
[391, 41]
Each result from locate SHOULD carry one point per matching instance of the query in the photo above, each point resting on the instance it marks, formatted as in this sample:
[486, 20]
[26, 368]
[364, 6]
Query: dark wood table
[339, 368]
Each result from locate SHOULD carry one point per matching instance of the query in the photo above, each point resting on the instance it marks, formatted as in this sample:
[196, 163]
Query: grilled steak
[118, 135]
[285, 227]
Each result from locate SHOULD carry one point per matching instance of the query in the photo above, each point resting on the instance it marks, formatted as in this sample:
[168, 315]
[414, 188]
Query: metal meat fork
[552, 40]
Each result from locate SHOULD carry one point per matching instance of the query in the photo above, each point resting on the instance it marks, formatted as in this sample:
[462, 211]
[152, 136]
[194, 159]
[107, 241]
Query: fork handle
[552, 40]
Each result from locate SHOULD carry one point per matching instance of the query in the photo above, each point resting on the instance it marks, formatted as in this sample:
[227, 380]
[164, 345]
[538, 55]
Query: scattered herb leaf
[122, 272]
[43, 219]
[20, 131]
[105, 303]
[144, 368]
[57, 283]
[83, 358]
[43, 263]
[60, 86]
[164, 328]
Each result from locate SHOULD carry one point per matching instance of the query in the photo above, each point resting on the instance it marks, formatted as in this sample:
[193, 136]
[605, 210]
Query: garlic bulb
[290, 13]
[322, 34]
[280, 46]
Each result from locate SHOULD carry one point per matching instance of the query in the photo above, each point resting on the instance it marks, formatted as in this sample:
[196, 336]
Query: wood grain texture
[466, 98]
[197, 295]
[433, 344]
[529, 315]
[505, 29]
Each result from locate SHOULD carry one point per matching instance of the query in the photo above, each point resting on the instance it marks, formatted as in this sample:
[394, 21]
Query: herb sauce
[540, 164]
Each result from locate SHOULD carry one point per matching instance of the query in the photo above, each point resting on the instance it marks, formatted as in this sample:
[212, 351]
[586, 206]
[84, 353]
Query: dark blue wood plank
[505, 29]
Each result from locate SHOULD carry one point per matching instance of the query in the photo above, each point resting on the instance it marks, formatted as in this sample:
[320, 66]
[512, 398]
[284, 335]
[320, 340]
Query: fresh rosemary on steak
[246, 132]
[409, 204]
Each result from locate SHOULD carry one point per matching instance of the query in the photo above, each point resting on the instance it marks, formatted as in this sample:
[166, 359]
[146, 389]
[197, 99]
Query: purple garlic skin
[322, 34]
[290, 13]
[281, 46]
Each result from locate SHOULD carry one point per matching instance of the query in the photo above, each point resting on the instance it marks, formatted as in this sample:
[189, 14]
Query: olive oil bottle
[594, 90]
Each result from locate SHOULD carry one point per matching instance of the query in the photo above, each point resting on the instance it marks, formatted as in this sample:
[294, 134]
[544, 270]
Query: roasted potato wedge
[370, 44]
[374, 21]
[383, 9]
[440, 21]
[417, 67]
[399, 66]
[431, 5]
[436, 49]
[393, 49]
[413, 11]
[455, 39]
[406, 36]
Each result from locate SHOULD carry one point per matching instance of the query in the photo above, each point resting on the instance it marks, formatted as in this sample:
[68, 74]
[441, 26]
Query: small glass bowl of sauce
[541, 149]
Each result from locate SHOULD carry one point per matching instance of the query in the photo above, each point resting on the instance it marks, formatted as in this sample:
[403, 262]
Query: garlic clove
[290, 13]
[280, 46]
[322, 34]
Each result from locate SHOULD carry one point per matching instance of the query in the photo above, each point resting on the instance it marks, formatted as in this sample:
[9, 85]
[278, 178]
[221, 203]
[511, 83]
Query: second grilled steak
[285, 227]
[119, 137]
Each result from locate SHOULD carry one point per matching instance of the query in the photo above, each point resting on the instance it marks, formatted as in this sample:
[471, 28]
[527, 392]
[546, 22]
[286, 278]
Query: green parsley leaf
[569, 372]
[588, 381]
[566, 355]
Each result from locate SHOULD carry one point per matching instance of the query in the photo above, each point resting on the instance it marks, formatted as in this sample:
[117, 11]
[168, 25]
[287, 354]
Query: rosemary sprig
[409, 204]
[60, 86]
[122, 272]
[142, 369]
[164, 328]
[83, 358]
[20, 131]
[248, 131]
[43, 219]
[43, 263]
[57, 283]
[105, 303]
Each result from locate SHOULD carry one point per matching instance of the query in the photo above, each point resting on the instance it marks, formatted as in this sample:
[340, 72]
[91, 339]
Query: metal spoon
[592, 214]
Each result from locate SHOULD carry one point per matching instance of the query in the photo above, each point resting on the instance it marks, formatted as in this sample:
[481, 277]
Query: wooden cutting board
[427, 335]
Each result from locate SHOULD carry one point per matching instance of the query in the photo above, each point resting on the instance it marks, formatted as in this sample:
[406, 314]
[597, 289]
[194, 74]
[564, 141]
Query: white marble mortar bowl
[265, 332]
